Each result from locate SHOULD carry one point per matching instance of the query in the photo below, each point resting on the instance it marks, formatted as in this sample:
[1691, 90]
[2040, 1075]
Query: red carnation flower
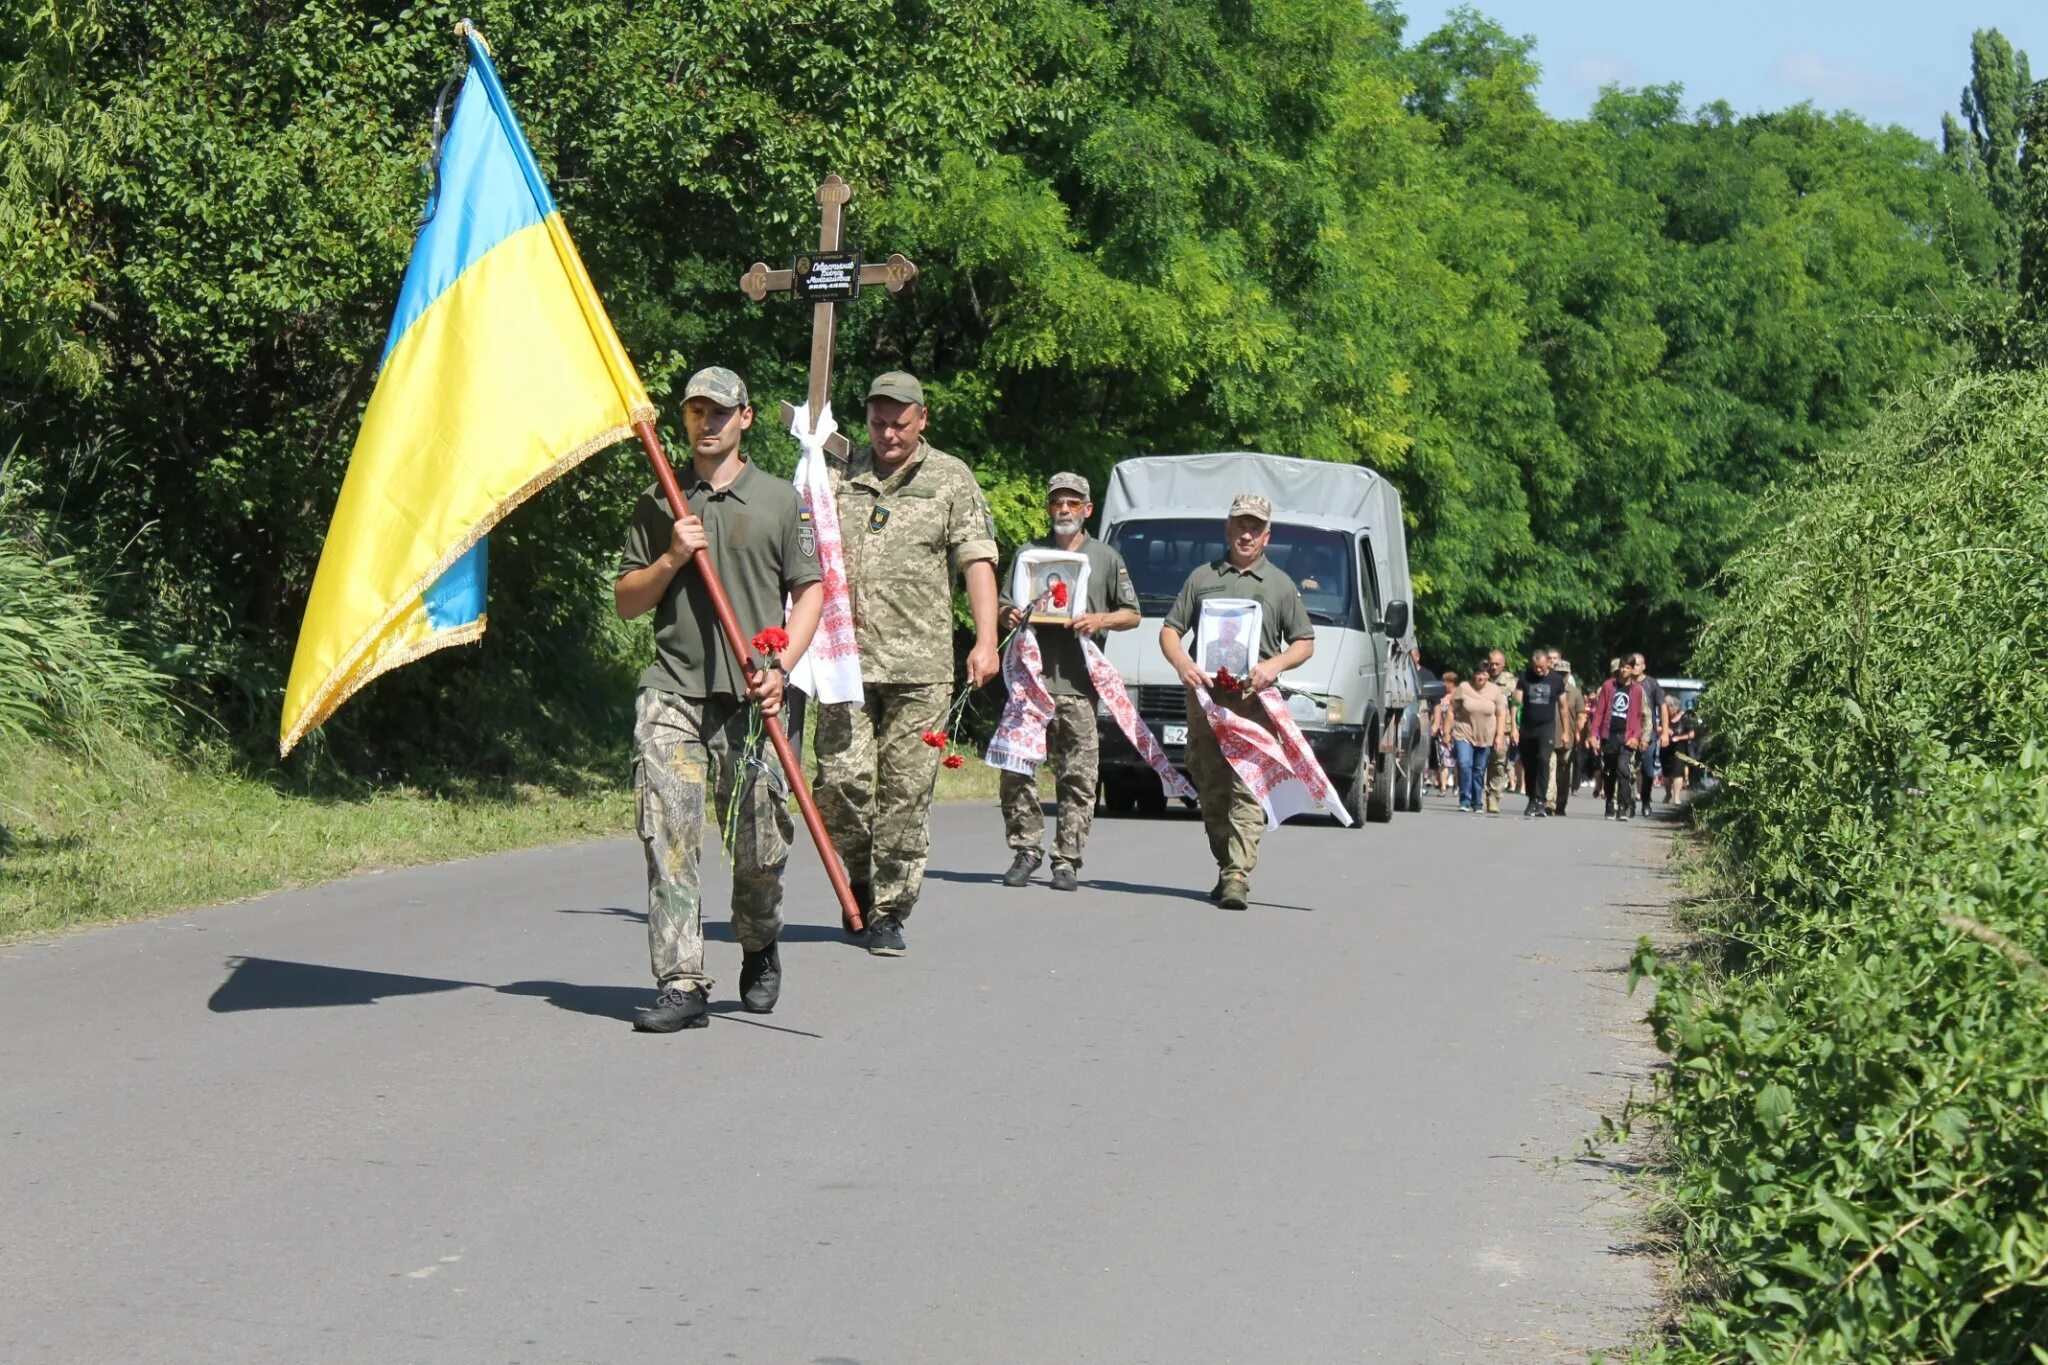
[954, 761]
[1059, 594]
[1226, 683]
[935, 738]
[771, 641]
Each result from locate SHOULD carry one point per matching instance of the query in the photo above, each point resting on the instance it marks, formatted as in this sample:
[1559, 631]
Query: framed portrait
[1052, 584]
[1227, 637]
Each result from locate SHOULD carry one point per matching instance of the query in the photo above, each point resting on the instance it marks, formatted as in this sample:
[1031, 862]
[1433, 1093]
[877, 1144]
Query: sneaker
[1063, 879]
[864, 899]
[885, 935]
[1539, 814]
[761, 980]
[1236, 892]
[673, 1009]
[1625, 817]
[1021, 870]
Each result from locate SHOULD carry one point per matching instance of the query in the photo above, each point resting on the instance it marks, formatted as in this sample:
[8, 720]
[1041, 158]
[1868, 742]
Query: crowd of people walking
[1541, 735]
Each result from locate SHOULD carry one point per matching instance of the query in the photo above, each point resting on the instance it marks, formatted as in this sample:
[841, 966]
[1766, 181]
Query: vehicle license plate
[1173, 734]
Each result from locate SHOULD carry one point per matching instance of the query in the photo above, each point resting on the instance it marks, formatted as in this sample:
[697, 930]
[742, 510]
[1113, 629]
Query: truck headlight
[1334, 715]
[1305, 709]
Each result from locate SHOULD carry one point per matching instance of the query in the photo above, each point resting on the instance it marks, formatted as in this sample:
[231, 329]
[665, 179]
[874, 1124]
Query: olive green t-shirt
[763, 553]
[1109, 589]
[1283, 621]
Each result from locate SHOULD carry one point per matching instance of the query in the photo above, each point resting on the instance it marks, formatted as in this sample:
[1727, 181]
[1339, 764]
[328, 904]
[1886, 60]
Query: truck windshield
[1163, 551]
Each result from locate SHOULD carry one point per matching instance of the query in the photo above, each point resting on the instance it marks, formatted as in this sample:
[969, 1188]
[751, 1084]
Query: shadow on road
[606, 1002]
[266, 983]
[720, 931]
[941, 874]
[618, 1002]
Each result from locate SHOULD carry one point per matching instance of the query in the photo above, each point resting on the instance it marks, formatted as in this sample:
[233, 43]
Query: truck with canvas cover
[1337, 532]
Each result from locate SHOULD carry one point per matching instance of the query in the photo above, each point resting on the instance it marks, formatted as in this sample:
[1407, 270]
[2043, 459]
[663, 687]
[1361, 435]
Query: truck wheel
[1418, 774]
[1356, 793]
[1379, 802]
[1119, 798]
[1153, 801]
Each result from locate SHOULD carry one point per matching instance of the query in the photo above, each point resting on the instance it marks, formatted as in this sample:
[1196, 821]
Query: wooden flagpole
[721, 605]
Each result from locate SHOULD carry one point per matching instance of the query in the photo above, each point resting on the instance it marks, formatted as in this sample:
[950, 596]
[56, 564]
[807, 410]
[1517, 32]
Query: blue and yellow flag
[500, 374]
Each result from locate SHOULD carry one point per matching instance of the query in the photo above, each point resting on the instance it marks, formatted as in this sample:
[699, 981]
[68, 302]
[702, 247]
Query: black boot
[761, 980]
[1020, 871]
[675, 1008]
[1063, 878]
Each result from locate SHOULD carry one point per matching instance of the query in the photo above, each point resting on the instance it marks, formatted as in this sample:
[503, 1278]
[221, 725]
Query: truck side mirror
[1396, 623]
[1434, 691]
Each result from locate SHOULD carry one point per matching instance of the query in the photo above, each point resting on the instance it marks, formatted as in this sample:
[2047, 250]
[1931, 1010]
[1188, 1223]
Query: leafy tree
[1584, 350]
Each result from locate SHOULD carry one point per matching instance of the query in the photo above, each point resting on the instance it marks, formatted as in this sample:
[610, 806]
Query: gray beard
[1065, 528]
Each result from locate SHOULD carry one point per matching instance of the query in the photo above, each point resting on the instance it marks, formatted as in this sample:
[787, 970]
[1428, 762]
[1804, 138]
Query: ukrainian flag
[501, 373]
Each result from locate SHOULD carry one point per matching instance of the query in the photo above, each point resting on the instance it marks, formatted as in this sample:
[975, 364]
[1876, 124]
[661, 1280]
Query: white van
[1338, 526]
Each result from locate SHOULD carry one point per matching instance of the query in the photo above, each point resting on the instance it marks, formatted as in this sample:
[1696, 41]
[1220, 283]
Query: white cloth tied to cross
[1018, 745]
[830, 669]
[1277, 764]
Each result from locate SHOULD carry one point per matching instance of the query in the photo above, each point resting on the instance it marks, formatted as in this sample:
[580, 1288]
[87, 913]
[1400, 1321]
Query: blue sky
[1887, 60]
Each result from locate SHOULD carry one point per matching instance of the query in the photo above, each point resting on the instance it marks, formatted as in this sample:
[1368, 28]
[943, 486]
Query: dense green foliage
[1858, 1105]
[1583, 349]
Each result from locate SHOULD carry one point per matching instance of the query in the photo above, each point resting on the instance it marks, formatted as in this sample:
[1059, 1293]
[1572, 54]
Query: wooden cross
[826, 278]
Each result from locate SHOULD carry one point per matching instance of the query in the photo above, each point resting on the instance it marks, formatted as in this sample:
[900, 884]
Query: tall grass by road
[1857, 1107]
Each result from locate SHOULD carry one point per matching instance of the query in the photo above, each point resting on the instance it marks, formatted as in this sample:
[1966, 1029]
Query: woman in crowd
[1440, 734]
[1479, 734]
[1680, 753]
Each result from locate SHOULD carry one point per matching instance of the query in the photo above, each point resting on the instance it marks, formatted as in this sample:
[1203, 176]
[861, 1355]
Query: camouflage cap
[900, 385]
[1251, 505]
[720, 385]
[1067, 483]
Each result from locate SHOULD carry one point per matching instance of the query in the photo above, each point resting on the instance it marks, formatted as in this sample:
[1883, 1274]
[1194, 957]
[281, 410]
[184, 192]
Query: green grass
[130, 833]
[136, 834]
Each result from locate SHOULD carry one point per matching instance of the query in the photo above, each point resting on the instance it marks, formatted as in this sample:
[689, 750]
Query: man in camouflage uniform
[691, 718]
[1497, 771]
[1571, 724]
[1072, 746]
[1231, 815]
[911, 517]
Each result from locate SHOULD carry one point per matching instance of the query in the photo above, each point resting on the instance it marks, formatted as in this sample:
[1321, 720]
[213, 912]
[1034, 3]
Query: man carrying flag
[1234, 812]
[501, 373]
[691, 729]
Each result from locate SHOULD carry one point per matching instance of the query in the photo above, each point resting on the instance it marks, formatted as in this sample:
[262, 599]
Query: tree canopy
[1584, 350]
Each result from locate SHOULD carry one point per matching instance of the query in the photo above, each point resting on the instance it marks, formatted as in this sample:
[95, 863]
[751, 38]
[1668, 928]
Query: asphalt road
[401, 1117]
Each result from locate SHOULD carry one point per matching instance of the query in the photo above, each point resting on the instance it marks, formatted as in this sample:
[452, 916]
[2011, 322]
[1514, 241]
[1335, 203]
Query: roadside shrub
[1860, 1062]
[65, 671]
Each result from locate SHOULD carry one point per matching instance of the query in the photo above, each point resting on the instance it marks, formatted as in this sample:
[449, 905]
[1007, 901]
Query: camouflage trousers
[1496, 781]
[681, 746]
[874, 786]
[1073, 749]
[1231, 816]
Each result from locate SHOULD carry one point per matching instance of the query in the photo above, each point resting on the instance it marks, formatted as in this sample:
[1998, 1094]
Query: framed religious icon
[1050, 584]
[1227, 637]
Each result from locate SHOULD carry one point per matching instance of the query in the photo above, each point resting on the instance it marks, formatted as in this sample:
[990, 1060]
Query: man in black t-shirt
[1541, 690]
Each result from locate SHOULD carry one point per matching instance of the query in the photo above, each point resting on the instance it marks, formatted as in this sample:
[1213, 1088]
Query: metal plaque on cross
[825, 278]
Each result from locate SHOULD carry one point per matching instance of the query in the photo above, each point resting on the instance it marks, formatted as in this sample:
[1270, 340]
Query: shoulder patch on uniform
[807, 538]
[877, 519]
